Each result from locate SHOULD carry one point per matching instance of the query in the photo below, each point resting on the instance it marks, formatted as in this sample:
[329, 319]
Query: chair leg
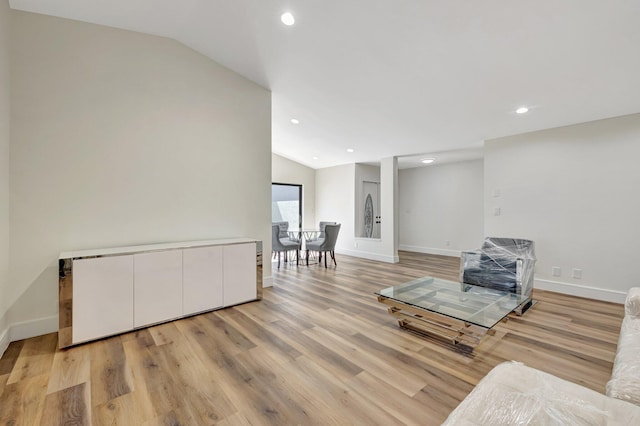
[333, 256]
[307, 257]
[278, 260]
[325, 260]
[297, 256]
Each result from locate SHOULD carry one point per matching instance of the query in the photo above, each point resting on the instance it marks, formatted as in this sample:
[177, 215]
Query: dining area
[306, 245]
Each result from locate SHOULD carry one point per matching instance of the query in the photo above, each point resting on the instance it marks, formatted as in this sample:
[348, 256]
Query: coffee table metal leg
[456, 332]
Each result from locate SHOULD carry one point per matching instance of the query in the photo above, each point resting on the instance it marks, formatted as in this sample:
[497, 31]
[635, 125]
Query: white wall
[4, 170]
[335, 201]
[122, 138]
[389, 209]
[574, 191]
[440, 204]
[284, 170]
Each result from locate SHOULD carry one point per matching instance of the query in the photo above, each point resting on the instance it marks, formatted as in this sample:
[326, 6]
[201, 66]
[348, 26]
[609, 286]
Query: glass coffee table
[459, 313]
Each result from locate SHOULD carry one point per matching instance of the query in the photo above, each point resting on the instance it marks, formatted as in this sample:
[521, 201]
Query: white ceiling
[403, 77]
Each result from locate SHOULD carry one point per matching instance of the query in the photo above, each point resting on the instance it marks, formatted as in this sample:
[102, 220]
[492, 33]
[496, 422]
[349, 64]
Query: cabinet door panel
[157, 287]
[201, 279]
[239, 273]
[102, 297]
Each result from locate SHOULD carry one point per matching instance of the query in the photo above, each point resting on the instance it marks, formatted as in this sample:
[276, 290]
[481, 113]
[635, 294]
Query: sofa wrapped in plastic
[514, 394]
[505, 264]
[625, 377]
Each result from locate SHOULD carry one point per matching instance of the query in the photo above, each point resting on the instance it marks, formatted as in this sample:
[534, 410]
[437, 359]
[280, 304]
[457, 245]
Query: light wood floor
[319, 349]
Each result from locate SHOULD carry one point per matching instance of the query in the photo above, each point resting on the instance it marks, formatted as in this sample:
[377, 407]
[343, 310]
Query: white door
[371, 218]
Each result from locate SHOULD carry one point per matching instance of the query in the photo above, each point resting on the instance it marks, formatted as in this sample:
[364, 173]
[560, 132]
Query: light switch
[496, 192]
[496, 211]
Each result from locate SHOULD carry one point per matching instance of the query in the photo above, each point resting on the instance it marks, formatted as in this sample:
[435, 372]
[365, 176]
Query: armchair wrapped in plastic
[505, 264]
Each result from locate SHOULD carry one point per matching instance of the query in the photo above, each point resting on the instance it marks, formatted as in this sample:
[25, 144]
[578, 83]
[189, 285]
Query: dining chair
[321, 228]
[279, 245]
[328, 244]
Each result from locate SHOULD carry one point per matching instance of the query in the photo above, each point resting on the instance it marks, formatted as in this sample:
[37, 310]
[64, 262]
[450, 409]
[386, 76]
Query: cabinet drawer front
[239, 274]
[158, 287]
[201, 279]
[102, 297]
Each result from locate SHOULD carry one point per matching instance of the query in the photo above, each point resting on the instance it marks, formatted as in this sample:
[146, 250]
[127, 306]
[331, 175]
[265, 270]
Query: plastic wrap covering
[514, 394]
[505, 264]
[625, 378]
[632, 304]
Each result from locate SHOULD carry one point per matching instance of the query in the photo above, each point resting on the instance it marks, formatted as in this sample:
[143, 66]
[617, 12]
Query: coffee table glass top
[476, 305]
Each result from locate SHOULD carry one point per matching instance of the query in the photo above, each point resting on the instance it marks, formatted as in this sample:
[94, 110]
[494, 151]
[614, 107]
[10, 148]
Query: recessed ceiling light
[349, 149]
[427, 160]
[287, 18]
[295, 121]
[315, 158]
[522, 110]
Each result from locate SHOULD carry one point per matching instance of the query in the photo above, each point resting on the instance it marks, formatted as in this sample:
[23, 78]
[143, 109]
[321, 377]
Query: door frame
[299, 196]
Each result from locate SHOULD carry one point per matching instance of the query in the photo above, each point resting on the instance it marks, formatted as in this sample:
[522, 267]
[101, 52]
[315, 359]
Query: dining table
[304, 235]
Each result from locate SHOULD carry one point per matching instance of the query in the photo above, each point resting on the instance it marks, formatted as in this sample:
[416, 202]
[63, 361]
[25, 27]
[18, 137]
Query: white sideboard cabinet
[104, 292]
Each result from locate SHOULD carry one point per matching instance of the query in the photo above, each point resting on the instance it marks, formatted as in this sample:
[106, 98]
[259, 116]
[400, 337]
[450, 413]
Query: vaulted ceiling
[402, 77]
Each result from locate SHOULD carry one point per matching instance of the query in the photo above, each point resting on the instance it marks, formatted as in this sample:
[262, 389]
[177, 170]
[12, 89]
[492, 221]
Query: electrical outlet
[447, 243]
[576, 273]
[556, 271]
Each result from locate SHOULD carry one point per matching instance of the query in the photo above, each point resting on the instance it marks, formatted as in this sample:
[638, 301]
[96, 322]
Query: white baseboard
[369, 255]
[267, 282]
[430, 250]
[33, 328]
[4, 341]
[26, 330]
[581, 291]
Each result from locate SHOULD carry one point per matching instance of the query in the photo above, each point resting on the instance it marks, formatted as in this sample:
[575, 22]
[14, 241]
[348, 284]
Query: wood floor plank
[318, 349]
[22, 402]
[347, 405]
[137, 406]
[3, 383]
[68, 406]
[401, 380]
[203, 398]
[10, 357]
[299, 405]
[237, 419]
[404, 408]
[35, 358]
[133, 408]
[261, 335]
[70, 368]
[110, 373]
[336, 364]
